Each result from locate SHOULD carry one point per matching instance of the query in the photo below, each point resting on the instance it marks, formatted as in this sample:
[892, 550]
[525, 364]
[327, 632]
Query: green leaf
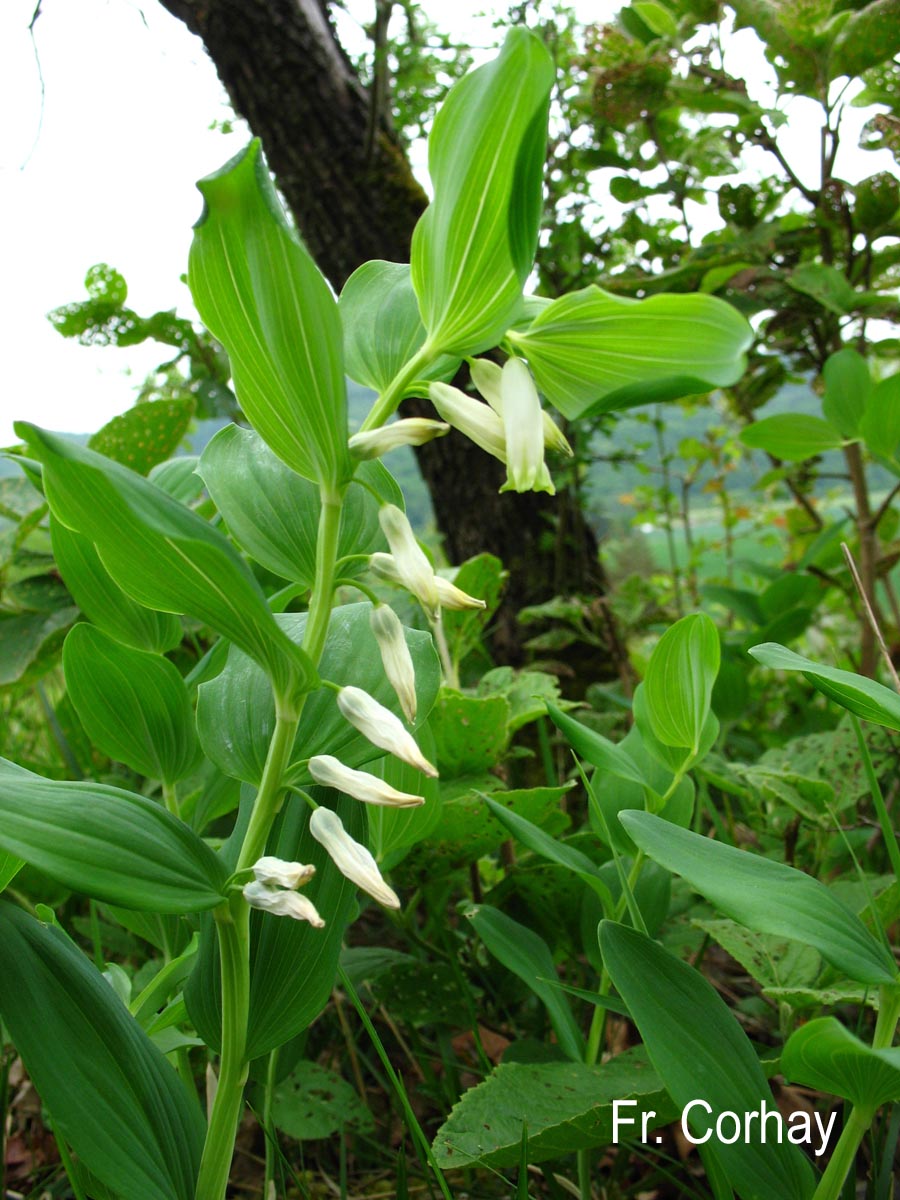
[473, 248]
[29, 644]
[765, 895]
[535, 839]
[593, 352]
[656, 17]
[564, 1106]
[103, 601]
[794, 437]
[145, 435]
[773, 962]
[526, 954]
[847, 387]
[870, 36]
[864, 697]
[236, 711]
[273, 513]
[382, 326]
[670, 757]
[110, 1092]
[483, 577]
[292, 965]
[164, 555]
[701, 1053]
[470, 732]
[259, 292]
[827, 285]
[107, 843]
[313, 1102]
[679, 681]
[134, 705]
[824, 1055]
[594, 748]
[880, 424]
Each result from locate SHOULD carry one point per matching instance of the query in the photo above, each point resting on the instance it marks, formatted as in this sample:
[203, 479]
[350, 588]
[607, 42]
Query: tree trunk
[353, 196]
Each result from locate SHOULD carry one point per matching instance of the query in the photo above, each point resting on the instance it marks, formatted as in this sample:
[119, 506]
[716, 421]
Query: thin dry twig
[873, 622]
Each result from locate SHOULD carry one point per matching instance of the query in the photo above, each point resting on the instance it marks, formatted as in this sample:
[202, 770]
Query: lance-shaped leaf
[527, 955]
[107, 843]
[111, 1094]
[273, 513]
[701, 1053]
[164, 555]
[594, 748]
[103, 601]
[260, 293]
[474, 246]
[592, 352]
[679, 681]
[236, 712]
[824, 1055]
[134, 705]
[382, 326]
[864, 697]
[766, 896]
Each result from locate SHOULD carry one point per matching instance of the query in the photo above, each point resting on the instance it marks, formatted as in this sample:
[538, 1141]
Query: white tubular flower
[277, 873]
[382, 728]
[413, 567]
[282, 903]
[525, 468]
[330, 772]
[395, 656]
[351, 859]
[410, 431]
[486, 376]
[455, 598]
[477, 421]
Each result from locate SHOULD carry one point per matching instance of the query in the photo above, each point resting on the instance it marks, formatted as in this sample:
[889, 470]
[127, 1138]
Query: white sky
[107, 173]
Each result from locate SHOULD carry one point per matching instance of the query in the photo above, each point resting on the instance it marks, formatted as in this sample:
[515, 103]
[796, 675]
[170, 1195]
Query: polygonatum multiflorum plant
[304, 724]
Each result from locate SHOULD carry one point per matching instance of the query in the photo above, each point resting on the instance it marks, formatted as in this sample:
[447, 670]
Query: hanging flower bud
[330, 772]
[282, 903]
[275, 872]
[525, 469]
[413, 567]
[381, 727]
[395, 657]
[455, 598]
[487, 376]
[410, 431]
[352, 859]
[477, 421]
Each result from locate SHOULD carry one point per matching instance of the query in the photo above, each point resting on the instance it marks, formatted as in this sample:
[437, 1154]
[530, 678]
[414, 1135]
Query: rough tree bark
[354, 198]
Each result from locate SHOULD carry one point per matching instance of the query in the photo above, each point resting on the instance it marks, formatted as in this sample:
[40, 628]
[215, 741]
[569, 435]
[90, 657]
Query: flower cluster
[512, 426]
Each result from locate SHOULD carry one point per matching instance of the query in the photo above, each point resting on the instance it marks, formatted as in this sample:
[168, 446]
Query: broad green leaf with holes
[473, 248]
[107, 843]
[236, 712]
[527, 955]
[144, 435]
[824, 1055]
[701, 1053]
[564, 1106]
[766, 896]
[592, 352]
[30, 643]
[103, 601]
[164, 555]
[314, 1102]
[794, 437]
[259, 292]
[134, 705]
[382, 326]
[679, 681]
[273, 513]
[111, 1095]
[864, 697]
